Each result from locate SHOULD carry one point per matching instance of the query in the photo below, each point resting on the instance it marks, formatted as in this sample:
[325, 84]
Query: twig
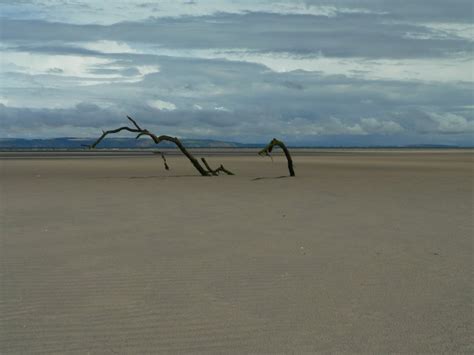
[134, 123]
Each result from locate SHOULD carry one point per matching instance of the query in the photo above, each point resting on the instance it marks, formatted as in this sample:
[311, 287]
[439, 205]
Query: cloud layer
[312, 72]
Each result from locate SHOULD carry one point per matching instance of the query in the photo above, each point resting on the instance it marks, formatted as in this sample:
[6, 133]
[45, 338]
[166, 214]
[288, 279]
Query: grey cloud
[293, 85]
[80, 116]
[56, 49]
[147, 5]
[298, 106]
[261, 105]
[347, 35]
[55, 71]
[242, 86]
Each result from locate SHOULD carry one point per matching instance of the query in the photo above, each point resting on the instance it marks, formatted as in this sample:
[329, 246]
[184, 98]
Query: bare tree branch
[105, 133]
[221, 168]
[208, 167]
[157, 140]
[134, 123]
[216, 171]
[164, 161]
[275, 142]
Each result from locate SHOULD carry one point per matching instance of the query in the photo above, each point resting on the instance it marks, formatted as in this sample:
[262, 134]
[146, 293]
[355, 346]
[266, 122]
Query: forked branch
[216, 171]
[275, 142]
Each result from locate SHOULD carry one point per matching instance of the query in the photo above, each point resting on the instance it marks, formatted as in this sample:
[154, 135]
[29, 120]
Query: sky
[311, 72]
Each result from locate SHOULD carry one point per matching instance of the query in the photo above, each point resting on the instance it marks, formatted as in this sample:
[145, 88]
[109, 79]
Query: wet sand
[361, 252]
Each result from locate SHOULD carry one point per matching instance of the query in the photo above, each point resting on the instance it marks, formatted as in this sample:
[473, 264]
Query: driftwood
[204, 171]
[268, 149]
[158, 139]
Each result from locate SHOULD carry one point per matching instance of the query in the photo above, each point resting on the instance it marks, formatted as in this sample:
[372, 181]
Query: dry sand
[362, 252]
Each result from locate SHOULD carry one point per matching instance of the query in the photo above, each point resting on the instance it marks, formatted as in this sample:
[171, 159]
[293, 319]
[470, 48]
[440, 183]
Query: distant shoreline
[297, 151]
[131, 144]
[242, 148]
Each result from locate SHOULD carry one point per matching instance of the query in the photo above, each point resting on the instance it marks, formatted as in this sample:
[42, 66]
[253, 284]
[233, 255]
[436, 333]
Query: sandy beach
[362, 252]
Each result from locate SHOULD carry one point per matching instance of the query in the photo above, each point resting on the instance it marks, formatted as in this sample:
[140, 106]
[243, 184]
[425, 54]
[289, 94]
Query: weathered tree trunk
[158, 140]
[275, 142]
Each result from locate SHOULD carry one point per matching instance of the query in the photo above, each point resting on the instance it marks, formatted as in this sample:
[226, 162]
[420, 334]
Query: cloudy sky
[323, 72]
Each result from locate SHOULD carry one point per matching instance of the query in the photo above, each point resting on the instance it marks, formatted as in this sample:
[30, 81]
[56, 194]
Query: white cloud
[71, 69]
[4, 100]
[441, 70]
[429, 70]
[335, 126]
[105, 46]
[148, 69]
[450, 30]
[221, 108]
[80, 66]
[373, 125]
[451, 123]
[65, 65]
[162, 105]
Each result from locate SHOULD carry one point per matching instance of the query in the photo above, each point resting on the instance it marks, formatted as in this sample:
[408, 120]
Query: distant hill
[440, 146]
[71, 143]
[124, 143]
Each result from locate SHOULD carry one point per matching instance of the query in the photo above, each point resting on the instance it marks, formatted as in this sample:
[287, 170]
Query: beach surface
[364, 251]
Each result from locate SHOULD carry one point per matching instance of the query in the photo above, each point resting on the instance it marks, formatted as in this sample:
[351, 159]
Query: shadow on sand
[270, 177]
[147, 177]
[163, 177]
